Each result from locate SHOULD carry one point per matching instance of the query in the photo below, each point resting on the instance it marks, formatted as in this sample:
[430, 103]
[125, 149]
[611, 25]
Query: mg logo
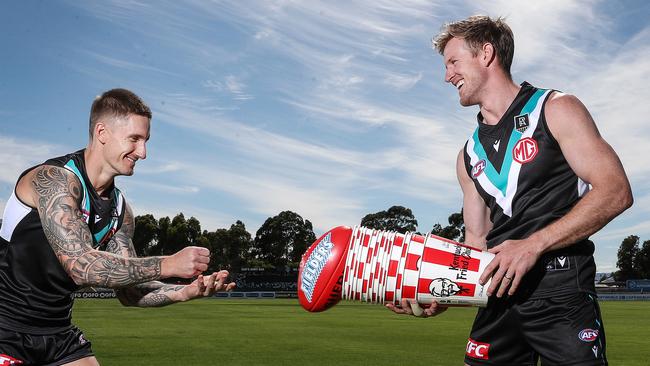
[525, 150]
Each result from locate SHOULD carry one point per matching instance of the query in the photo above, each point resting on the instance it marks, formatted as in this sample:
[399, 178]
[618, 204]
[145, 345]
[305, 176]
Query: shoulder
[47, 180]
[559, 102]
[566, 115]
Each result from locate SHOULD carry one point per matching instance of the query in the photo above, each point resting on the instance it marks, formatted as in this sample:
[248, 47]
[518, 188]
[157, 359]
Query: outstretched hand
[205, 286]
[411, 307]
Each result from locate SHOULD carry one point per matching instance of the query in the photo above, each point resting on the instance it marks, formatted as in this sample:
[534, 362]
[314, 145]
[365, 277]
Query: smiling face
[464, 71]
[124, 140]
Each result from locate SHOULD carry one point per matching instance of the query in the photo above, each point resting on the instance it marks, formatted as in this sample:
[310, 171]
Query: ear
[487, 54]
[101, 132]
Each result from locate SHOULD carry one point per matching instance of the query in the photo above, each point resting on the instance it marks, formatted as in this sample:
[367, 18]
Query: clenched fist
[186, 263]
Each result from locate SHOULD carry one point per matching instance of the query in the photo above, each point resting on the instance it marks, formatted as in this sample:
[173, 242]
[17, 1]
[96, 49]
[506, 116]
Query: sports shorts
[44, 350]
[564, 330]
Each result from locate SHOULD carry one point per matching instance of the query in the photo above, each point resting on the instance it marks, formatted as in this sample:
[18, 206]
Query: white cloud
[18, 154]
[403, 82]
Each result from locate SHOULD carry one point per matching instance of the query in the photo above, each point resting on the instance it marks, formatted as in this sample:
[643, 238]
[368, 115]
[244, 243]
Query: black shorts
[564, 330]
[43, 350]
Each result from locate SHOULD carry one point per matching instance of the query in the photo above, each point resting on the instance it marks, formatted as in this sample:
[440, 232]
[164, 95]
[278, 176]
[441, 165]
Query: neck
[499, 97]
[99, 178]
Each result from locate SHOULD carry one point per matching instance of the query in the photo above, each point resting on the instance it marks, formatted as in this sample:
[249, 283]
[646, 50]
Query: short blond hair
[476, 31]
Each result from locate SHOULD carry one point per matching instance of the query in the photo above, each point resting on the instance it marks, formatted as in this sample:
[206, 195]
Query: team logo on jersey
[478, 168]
[525, 150]
[8, 360]
[477, 349]
[588, 335]
[521, 122]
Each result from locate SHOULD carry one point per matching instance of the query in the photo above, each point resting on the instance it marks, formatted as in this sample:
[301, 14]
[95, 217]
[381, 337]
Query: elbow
[627, 200]
[622, 200]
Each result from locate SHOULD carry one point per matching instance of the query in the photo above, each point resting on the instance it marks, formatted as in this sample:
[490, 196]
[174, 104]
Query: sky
[331, 109]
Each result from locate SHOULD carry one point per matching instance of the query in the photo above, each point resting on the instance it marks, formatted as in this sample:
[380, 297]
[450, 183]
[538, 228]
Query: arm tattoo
[149, 294]
[58, 196]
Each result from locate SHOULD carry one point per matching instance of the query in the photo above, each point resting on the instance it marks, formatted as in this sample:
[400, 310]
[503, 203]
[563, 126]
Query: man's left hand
[514, 258]
[205, 286]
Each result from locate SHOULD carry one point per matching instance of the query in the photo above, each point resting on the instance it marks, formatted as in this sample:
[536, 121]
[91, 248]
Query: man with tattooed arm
[66, 226]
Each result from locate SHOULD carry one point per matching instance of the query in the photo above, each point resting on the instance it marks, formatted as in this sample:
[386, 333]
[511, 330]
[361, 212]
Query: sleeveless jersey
[521, 174]
[36, 293]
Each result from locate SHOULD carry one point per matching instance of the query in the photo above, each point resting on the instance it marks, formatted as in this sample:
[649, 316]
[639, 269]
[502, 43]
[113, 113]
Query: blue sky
[331, 109]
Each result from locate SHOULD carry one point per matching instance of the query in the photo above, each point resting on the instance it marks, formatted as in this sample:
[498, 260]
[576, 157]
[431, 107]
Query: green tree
[627, 253]
[229, 248]
[145, 234]
[282, 239]
[642, 260]
[238, 246]
[181, 233]
[454, 231]
[396, 218]
[164, 223]
[216, 242]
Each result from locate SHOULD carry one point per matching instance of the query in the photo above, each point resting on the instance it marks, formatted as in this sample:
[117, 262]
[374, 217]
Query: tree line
[278, 244]
[282, 239]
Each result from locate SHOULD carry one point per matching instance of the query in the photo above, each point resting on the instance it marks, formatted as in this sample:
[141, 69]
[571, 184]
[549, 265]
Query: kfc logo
[477, 349]
[525, 150]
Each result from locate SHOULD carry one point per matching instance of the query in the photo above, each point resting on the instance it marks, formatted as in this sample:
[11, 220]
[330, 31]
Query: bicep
[586, 152]
[476, 214]
[56, 194]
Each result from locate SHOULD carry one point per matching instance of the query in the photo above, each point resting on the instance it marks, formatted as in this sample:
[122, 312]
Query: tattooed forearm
[108, 270]
[58, 195]
[149, 294]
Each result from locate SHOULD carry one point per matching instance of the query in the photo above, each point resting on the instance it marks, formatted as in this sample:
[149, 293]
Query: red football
[320, 278]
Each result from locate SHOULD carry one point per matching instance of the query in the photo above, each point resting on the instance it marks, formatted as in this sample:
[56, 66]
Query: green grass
[279, 332]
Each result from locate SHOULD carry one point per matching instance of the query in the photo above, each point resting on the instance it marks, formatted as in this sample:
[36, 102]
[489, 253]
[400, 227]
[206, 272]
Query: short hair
[476, 31]
[116, 103]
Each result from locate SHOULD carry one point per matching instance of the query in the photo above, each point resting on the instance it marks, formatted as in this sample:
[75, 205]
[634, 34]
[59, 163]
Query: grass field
[279, 332]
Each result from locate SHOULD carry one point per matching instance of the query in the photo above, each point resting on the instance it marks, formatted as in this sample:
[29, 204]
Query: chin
[127, 171]
[467, 102]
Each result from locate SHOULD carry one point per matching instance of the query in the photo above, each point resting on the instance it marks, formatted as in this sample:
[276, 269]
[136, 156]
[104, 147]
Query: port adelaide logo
[521, 122]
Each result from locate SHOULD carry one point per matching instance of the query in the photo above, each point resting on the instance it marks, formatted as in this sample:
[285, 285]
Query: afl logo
[525, 150]
[478, 168]
[588, 335]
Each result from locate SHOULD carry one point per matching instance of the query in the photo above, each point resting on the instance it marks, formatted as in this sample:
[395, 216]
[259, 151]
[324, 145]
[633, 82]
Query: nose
[449, 74]
[141, 150]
